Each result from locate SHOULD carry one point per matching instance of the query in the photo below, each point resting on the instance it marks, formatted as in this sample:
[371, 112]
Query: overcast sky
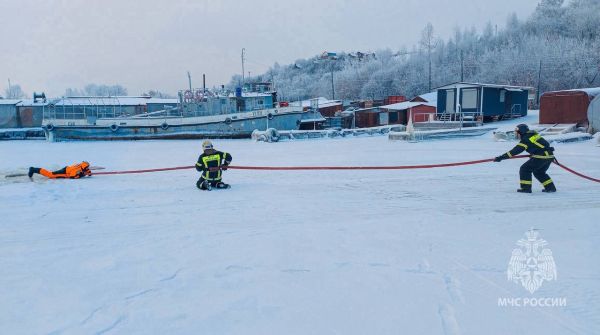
[54, 44]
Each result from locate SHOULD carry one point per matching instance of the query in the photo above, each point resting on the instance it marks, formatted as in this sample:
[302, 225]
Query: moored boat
[199, 114]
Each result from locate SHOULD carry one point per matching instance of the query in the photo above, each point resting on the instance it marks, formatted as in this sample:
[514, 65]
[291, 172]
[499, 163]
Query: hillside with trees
[557, 47]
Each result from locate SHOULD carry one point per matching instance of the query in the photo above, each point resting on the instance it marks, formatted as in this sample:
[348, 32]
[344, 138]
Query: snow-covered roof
[430, 97]
[323, 102]
[591, 91]
[466, 84]
[162, 101]
[9, 101]
[113, 101]
[31, 103]
[430, 100]
[407, 104]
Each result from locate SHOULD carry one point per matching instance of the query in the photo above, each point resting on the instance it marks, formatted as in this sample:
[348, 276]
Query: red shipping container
[394, 99]
[565, 107]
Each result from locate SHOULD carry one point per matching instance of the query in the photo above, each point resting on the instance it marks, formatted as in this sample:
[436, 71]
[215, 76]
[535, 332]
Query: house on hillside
[568, 106]
[486, 102]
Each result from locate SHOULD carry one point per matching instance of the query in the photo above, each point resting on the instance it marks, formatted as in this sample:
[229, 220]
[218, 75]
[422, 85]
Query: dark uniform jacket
[211, 162]
[534, 144]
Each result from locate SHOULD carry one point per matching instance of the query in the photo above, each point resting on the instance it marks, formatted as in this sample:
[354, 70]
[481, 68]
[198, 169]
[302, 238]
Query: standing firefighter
[74, 171]
[211, 163]
[541, 156]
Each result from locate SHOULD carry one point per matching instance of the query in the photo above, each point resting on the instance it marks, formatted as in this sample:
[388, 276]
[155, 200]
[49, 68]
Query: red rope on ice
[577, 173]
[296, 168]
[144, 171]
[307, 168]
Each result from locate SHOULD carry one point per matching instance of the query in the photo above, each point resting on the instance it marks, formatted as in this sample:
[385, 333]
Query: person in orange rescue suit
[74, 171]
[212, 163]
[541, 156]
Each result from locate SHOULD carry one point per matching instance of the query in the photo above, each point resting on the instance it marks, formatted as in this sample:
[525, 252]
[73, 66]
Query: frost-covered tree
[97, 90]
[14, 92]
[157, 94]
[559, 42]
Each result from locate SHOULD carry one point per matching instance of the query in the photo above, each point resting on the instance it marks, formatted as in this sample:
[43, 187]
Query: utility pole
[462, 67]
[332, 87]
[539, 84]
[243, 50]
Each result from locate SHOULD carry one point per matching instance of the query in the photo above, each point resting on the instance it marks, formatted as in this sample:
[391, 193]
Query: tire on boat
[164, 126]
[114, 127]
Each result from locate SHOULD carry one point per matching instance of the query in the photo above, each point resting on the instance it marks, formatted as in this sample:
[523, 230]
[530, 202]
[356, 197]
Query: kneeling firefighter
[74, 171]
[541, 157]
[212, 163]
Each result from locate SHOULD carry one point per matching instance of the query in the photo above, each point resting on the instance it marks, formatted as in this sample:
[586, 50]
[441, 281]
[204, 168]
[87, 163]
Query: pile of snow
[273, 135]
[420, 135]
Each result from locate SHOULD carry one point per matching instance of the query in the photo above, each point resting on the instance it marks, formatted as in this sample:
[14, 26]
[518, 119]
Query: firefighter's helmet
[206, 145]
[522, 128]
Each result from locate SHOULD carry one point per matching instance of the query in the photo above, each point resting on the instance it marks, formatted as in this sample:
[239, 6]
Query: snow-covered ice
[292, 252]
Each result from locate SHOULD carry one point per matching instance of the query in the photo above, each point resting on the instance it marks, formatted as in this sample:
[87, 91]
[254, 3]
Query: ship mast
[243, 59]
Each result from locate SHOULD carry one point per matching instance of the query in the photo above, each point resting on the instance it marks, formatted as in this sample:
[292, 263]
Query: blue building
[482, 102]
[9, 117]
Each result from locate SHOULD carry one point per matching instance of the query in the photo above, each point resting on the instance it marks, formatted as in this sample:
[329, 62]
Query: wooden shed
[421, 108]
[370, 117]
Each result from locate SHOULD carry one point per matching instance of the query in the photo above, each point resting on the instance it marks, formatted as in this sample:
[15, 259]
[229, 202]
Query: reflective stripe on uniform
[533, 139]
[526, 182]
[509, 154]
[542, 157]
[211, 158]
[549, 181]
[522, 145]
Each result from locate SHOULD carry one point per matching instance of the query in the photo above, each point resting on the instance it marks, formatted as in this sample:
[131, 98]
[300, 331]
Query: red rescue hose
[306, 168]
